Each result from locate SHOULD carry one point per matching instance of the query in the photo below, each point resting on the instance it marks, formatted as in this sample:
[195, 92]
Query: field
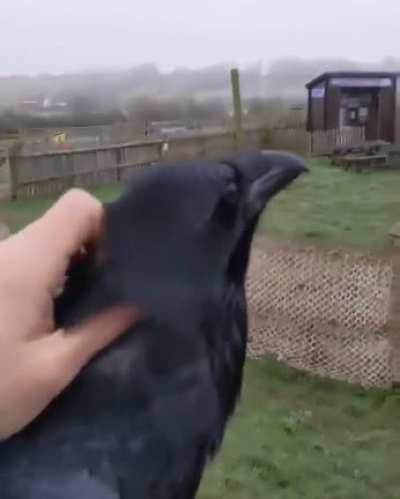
[337, 208]
[19, 213]
[295, 436]
[299, 437]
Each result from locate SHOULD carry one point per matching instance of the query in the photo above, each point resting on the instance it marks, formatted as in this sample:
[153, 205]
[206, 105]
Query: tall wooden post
[13, 151]
[237, 108]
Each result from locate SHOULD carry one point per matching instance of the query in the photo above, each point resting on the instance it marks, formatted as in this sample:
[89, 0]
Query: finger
[47, 366]
[22, 391]
[72, 222]
[74, 348]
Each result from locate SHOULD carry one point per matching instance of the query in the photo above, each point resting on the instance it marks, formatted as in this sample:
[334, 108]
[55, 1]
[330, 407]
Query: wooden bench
[359, 162]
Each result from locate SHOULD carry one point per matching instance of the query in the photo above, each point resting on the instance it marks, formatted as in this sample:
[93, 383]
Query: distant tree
[82, 105]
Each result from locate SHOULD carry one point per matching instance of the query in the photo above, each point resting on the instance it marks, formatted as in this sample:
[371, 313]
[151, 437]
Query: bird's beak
[267, 176]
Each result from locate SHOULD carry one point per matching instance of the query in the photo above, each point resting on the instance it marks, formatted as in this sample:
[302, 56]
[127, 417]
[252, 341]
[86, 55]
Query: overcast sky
[66, 35]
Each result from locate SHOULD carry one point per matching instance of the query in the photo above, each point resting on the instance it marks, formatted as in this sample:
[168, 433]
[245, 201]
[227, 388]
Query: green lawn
[19, 213]
[333, 207]
[327, 206]
[295, 436]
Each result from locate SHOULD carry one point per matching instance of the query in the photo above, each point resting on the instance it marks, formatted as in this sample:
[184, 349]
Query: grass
[332, 207]
[327, 206]
[296, 436]
[17, 214]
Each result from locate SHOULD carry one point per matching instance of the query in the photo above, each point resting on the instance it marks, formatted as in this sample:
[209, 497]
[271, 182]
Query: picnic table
[361, 156]
[369, 147]
[360, 162]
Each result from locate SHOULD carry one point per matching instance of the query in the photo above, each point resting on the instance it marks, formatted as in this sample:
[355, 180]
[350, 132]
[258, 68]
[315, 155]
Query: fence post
[237, 108]
[13, 152]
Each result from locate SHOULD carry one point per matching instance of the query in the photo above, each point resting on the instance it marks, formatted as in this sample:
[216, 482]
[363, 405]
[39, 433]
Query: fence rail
[52, 172]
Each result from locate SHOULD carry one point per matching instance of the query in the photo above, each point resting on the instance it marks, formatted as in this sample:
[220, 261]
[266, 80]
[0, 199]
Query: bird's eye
[231, 193]
[229, 174]
[227, 206]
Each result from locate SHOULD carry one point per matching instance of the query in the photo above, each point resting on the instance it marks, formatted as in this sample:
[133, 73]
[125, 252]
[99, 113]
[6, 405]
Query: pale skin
[37, 362]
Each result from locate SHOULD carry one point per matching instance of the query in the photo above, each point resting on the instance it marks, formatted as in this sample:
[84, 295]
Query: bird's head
[187, 224]
[183, 230]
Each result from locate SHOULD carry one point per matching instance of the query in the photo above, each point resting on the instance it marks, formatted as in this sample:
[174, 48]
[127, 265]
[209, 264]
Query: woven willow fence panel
[324, 312]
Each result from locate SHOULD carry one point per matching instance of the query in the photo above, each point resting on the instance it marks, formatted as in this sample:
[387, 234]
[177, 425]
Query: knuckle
[79, 197]
[56, 373]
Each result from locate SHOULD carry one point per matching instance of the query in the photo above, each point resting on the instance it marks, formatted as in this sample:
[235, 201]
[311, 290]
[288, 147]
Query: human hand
[36, 361]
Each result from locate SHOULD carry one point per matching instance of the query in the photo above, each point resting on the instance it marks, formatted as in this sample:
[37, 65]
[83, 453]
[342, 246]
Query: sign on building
[361, 82]
[318, 92]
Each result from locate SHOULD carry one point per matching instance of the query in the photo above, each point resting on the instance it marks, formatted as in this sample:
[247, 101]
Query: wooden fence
[55, 171]
[47, 173]
[335, 313]
[287, 139]
[3, 164]
[324, 142]
[42, 140]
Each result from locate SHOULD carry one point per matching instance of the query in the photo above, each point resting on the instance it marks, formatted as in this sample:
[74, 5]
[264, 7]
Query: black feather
[143, 418]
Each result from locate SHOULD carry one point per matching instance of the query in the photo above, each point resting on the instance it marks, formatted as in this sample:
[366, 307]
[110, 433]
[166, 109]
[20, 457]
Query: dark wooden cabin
[344, 100]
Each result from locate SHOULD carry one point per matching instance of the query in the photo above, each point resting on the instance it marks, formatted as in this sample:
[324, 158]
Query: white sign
[361, 82]
[318, 93]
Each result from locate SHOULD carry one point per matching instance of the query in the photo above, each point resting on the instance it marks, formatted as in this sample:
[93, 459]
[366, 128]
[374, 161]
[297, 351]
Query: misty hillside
[115, 88]
[284, 77]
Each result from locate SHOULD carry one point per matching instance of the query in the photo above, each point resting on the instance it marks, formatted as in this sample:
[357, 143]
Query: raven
[144, 417]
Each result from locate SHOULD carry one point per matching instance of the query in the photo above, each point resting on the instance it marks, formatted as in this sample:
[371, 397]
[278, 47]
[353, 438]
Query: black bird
[144, 417]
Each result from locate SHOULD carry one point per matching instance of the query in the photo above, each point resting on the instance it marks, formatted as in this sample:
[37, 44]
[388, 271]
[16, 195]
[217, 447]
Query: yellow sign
[60, 138]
